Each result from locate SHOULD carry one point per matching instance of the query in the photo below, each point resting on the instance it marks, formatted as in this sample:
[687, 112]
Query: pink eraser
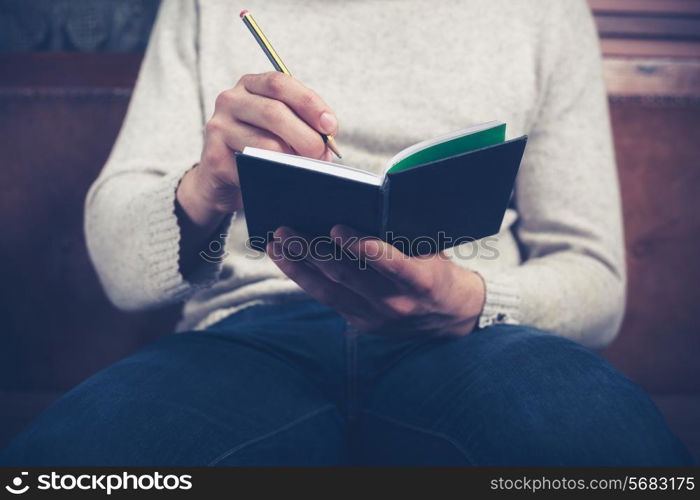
[243, 13]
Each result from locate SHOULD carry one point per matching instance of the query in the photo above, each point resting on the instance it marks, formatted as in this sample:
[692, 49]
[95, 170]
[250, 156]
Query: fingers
[301, 99]
[237, 135]
[315, 283]
[386, 259]
[223, 138]
[276, 117]
[271, 111]
[343, 268]
[282, 107]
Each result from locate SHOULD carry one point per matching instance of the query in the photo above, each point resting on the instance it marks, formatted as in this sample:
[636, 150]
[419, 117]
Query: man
[477, 358]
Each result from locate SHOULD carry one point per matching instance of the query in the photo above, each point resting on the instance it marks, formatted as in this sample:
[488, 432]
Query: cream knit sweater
[395, 72]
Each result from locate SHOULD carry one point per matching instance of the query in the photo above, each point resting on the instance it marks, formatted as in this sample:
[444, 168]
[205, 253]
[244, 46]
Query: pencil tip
[330, 142]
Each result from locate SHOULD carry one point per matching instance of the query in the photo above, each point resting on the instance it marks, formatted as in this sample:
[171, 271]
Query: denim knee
[566, 404]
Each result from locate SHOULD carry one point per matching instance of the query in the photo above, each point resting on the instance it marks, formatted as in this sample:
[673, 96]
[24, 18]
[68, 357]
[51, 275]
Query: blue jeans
[286, 385]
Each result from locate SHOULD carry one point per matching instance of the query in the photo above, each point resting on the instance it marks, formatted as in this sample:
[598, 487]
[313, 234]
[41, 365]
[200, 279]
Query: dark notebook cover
[421, 210]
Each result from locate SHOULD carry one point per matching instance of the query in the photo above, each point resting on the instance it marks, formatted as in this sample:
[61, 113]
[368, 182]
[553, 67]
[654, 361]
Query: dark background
[66, 73]
[76, 25]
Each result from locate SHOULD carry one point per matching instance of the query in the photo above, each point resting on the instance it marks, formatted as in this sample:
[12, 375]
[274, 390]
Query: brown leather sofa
[60, 114]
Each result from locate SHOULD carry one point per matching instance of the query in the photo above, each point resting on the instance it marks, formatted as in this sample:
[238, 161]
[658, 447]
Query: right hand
[271, 111]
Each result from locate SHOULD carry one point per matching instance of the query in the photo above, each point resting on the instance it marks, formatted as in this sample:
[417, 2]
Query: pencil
[277, 63]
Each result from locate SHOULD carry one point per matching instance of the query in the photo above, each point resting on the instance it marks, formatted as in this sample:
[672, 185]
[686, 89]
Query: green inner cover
[471, 142]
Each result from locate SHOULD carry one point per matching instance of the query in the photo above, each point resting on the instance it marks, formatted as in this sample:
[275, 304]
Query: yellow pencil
[274, 58]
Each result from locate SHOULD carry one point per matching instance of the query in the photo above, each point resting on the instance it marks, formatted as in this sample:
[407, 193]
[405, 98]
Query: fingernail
[328, 122]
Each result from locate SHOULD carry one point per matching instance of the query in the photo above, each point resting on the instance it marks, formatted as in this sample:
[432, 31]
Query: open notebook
[432, 195]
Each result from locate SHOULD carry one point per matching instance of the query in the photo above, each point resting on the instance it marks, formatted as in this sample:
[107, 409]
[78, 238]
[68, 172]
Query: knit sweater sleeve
[131, 229]
[572, 279]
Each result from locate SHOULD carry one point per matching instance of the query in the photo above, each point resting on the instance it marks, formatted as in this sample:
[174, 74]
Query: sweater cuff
[502, 303]
[163, 252]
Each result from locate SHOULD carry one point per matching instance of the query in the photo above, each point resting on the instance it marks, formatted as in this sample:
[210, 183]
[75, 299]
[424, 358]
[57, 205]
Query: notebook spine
[384, 212]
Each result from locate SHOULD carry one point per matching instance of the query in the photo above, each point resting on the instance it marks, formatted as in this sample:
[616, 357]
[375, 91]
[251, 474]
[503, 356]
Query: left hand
[381, 290]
